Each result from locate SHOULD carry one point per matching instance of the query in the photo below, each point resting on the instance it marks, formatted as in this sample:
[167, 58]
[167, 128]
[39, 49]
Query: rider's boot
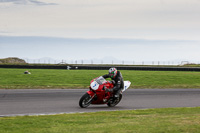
[116, 95]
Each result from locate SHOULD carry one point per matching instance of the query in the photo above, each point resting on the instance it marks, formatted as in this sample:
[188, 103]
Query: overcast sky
[137, 30]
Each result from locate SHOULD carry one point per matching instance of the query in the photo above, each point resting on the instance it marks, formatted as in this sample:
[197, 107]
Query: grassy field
[51, 78]
[169, 120]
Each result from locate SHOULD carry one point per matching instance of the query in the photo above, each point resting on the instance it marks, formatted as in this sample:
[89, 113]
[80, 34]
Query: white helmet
[112, 72]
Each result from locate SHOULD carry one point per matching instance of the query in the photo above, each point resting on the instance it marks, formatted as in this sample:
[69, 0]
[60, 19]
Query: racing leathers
[118, 83]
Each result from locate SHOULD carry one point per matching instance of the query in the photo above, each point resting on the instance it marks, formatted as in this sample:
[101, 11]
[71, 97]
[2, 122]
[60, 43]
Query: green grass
[52, 78]
[169, 120]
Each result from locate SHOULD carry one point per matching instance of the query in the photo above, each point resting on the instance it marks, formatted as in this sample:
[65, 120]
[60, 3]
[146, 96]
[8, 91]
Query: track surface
[38, 101]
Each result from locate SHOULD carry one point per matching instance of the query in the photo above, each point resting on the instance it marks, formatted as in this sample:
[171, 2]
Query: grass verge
[168, 120]
[51, 78]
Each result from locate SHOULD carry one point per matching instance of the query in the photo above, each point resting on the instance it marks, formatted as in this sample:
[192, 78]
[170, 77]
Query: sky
[130, 30]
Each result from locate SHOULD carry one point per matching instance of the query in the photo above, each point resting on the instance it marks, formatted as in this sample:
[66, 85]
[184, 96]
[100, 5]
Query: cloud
[26, 2]
[4, 32]
[108, 42]
[155, 19]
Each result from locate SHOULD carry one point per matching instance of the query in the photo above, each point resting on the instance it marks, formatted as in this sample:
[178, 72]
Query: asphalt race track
[58, 101]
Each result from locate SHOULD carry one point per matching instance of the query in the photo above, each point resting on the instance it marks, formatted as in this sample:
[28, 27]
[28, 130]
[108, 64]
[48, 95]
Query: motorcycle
[98, 95]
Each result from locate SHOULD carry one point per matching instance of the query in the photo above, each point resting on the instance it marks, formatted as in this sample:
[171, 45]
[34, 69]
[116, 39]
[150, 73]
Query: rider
[117, 80]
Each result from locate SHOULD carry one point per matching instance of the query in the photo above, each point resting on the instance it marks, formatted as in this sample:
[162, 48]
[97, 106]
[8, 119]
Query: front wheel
[85, 100]
[114, 101]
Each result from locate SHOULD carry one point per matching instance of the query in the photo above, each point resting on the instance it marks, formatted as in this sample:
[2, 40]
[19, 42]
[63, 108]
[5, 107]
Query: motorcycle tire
[85, 101]
[112, 103]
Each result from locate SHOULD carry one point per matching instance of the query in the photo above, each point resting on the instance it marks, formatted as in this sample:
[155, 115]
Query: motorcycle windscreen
[126, 85]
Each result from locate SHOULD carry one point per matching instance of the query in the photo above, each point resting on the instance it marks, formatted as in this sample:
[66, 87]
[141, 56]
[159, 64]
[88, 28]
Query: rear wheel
[85, 101]
[114, 101]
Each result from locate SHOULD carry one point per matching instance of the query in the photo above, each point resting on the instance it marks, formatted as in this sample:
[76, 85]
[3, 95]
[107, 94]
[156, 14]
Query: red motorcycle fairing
[91, 93]
[100, 96]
